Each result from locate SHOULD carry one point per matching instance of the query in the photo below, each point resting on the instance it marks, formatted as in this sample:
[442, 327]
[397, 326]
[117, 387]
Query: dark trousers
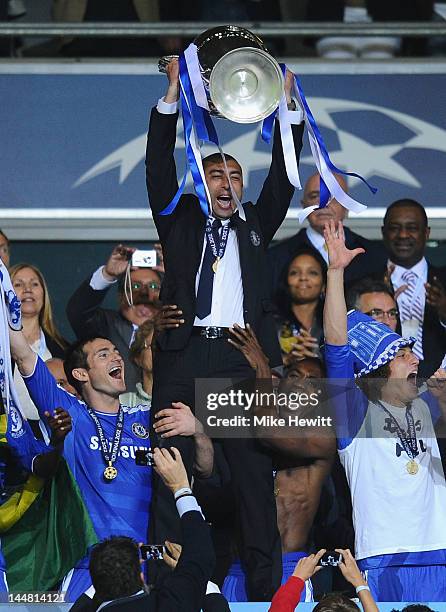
[250, 466]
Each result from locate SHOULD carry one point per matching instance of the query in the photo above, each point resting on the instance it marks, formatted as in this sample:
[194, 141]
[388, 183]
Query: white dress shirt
[227, 294]
[410, 327]
[318, 242]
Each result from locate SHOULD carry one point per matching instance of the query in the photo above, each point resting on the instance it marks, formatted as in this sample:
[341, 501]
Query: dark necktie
[206, 282]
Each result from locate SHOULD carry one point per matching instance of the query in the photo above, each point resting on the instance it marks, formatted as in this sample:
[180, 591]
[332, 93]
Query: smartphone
[330, 558]
[144, 457]
[152, 552]
[144, 259]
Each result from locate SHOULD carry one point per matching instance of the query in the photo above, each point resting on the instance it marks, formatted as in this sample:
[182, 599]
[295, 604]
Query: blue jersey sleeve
[348, 401]
[21, 440]
[47, 395]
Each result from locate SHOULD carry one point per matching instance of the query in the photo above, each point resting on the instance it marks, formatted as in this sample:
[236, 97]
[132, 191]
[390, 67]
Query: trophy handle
[164, 61]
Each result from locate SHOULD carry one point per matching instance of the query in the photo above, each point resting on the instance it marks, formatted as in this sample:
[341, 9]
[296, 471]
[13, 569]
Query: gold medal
[215, 265]
[412, 467]
[110, 472]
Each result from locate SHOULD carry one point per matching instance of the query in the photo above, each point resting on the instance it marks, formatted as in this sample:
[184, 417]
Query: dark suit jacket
[87, 319]
[181, 235]
[280, 255]
[434, 334]
[185, 587]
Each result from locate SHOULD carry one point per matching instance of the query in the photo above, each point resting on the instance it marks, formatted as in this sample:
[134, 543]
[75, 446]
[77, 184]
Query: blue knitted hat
[372, 343]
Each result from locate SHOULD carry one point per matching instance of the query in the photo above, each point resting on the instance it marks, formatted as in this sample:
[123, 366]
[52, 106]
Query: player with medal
[117, 495]
[110, 471]
[386, 444]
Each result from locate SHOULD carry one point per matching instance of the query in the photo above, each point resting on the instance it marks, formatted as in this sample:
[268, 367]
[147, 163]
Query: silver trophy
[243, 82]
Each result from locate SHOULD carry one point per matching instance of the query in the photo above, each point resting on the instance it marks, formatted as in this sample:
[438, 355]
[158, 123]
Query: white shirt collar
[141, 392]
[420, 269]
[315, 238]
[223, 221]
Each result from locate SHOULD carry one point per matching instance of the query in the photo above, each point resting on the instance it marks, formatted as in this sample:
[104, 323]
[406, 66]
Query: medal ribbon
[109, 459]
[409, 442]
[217, 253]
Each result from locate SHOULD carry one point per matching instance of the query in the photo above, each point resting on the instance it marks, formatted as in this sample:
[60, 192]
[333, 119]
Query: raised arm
[180, 421]
[335, 309]
[277, 191]
[161, 173]
[84, 307]
[185, 588]
[22, 353]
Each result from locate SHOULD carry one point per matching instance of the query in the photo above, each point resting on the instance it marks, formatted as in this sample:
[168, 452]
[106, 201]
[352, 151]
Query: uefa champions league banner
[73, 135]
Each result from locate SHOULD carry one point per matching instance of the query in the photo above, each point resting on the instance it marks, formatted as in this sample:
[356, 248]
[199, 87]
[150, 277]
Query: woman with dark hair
[300, 304]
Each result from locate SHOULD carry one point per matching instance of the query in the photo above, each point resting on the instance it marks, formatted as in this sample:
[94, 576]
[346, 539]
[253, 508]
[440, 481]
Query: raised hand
[349, 568]
[436, 297]
[169, 465]
[306, 345]
[437, 384]
[388, 281]
[118, 261]
[173, 74]
[170, 316]
[246, 342]
[60, 425]
[177, 421]
[172, 554]
[338, 254]
[308, 566]
[159, 258]
[288, 87]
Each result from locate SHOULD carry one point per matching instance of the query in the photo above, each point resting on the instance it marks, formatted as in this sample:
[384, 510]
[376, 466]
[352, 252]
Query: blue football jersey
[117, 507]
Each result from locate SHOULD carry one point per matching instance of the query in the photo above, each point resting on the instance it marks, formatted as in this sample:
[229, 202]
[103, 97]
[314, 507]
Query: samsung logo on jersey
[126, 452]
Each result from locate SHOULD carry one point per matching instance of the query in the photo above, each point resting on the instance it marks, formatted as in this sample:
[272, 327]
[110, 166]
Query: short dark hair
[404, 203]
[366, 285]
[336, 602]
[76, 357]
[216, 158]
[314, 360]
[115, 568]
[415, 608]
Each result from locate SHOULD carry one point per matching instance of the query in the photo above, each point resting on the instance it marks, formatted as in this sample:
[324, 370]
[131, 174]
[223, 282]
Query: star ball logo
[351, 152]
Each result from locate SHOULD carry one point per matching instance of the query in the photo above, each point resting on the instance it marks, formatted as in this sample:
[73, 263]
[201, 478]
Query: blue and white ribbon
[329, 186]
[325, 166]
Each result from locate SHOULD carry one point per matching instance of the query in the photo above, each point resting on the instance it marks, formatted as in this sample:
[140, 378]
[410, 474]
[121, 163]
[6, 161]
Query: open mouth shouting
[413, 378]
[224, 202]
[116, 372]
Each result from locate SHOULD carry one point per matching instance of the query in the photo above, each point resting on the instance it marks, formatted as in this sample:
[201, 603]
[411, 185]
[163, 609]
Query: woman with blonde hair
[38, 324]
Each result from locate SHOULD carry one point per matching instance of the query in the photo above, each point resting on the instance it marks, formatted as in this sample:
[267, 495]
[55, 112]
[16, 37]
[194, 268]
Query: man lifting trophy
[215, 256]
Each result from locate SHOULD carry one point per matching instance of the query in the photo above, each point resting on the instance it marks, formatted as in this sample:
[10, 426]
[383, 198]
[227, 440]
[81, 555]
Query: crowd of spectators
[118, 407]
[221, 11]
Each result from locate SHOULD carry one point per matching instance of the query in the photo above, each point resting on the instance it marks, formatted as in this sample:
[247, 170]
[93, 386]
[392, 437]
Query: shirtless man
[303, 461]
[302, 466]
